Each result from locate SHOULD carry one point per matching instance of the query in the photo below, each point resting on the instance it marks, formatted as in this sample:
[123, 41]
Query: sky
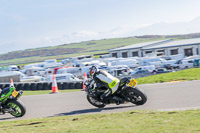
[38, 23]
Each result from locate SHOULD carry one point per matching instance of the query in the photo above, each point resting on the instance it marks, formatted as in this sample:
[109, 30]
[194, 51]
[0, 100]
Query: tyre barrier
[19, 87]
[1, 86]
[78, 85]
[33, 87]
[65, 85]
[26, 86]
[39, 86]
[46, 86]
[6, 85]
[43, 85]
[60, 85]
[71, 85]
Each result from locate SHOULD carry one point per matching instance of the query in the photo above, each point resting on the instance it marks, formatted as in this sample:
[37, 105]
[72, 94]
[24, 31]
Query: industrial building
[186, 47]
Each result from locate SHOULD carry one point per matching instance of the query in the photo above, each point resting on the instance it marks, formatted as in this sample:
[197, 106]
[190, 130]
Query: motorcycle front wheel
[95, 102]
[135, 96]
[18, 108]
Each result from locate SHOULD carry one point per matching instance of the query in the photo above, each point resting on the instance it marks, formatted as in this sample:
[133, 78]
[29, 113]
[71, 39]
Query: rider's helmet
[93, 70]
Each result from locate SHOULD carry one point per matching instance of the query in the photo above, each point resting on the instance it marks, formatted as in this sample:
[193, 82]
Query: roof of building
[141, 45]
[175, 43]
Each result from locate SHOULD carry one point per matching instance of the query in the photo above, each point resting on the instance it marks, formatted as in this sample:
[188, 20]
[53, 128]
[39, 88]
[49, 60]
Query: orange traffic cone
[54, 85]
[11, 82]
[84, 79]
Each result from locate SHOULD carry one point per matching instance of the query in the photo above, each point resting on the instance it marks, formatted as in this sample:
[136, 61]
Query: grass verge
[47, 92]
[127, 122]
[183, 75]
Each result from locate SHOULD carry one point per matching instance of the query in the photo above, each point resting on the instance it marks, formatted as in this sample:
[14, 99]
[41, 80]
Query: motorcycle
[9, 102]
[126, 92]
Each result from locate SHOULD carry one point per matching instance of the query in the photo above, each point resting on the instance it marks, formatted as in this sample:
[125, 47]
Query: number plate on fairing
[15, 93]
[133, 83]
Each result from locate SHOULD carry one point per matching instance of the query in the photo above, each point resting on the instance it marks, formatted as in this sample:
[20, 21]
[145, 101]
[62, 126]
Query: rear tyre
[95, 102]
[18, 108]
[136, 96]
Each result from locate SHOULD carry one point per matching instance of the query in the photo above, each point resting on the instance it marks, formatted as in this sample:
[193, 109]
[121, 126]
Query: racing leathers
[106, 80]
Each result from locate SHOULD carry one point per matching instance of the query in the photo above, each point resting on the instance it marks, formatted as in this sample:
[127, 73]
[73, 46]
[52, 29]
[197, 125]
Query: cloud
[84, 35]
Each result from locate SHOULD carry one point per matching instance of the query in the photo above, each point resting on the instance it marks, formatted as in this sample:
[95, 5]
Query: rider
[107, 80]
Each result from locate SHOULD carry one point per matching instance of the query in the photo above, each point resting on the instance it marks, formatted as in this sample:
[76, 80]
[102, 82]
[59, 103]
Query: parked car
[142, 69]
[67, 77]
[73, 70]
[184, 64]
[119, 72]
[131, 63]
[162, 70]
[166, 57]
[157, 62]
[13, 68]
[169, 64]
[35, 71]
[143, 72]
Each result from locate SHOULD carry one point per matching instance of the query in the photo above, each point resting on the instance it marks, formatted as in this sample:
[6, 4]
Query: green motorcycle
[9, 102]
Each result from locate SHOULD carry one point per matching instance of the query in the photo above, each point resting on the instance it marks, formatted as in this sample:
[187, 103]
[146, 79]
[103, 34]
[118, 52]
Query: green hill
[82, 48]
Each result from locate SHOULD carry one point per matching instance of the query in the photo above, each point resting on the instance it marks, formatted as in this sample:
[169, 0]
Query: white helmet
[93, 70]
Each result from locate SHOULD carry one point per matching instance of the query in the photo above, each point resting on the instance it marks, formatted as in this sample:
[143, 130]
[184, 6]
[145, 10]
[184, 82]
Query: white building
[186, 47]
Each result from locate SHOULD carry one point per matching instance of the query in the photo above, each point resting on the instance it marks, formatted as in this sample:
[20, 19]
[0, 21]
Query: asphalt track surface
[161, 96]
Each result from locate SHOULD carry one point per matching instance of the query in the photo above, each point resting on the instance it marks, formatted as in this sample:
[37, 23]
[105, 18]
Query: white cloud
[84, 35]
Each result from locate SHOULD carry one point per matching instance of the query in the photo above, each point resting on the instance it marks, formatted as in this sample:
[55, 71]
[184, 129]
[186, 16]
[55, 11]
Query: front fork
[19, 94]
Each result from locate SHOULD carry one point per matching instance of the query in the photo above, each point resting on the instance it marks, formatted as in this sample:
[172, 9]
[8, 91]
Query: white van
[150, 68]
[51, 61]
[34, 65]
[67, 77]
[184, 64]
[132, 63]
[73, 70]
[35, 71]
[152, 61]
[13, 68]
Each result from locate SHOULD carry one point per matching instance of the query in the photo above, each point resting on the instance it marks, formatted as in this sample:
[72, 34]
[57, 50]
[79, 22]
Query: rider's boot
[1, 109]
[118, 100]
[105, 96]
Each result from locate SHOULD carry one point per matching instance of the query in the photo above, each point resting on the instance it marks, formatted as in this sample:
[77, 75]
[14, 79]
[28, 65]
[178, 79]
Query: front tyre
[17, 108]
[135, 96]
[95, 102]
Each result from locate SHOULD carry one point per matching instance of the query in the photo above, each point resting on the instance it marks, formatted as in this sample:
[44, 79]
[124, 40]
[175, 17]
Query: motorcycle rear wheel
[136, 96]
[18, 107]
[95, 102]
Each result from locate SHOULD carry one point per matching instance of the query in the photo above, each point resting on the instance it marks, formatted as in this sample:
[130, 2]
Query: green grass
[127, 122]
[188, 74]
[47, 92]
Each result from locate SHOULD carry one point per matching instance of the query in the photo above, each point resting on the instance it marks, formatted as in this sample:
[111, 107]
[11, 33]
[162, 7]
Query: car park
[119, 67]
